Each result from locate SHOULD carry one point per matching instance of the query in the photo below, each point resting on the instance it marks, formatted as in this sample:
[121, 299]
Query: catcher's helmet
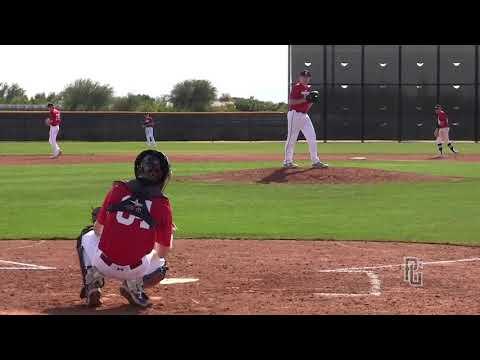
[152, 168]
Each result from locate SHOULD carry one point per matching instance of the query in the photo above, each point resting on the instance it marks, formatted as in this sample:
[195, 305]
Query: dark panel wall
[417, 109]
[393, 89]
[108, 126]
[381, 64]
[459, 101]
[419, 64]
[308, 57]
[344, 107]
[381, 112]
[344, 64]
[457, 64]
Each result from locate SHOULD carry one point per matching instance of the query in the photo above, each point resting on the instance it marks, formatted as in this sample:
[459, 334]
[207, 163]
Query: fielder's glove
[313, 97]
[47, 122]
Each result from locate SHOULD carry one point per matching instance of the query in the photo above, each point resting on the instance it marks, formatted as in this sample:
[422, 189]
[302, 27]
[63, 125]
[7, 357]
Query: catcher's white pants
[297, 122]
[53, 139]
[149, 135]
[443, 136]
[150, 262]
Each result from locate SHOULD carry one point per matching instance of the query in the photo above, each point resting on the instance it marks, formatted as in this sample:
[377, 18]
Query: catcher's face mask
[152, 168]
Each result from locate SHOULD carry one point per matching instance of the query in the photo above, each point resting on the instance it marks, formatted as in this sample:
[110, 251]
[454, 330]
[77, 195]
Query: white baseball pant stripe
[443, 136]
[150, 262]
[53, 139]
[149, 135]
[297, 122]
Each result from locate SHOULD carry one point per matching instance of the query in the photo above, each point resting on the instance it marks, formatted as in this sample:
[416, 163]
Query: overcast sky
[240, 70]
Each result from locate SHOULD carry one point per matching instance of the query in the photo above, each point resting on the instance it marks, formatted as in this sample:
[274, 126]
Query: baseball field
[253, 238]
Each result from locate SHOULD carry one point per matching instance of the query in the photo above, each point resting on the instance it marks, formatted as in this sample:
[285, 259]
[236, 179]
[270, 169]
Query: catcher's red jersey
[55, 117]
[125, 238]
[442, 119]
[298, 92]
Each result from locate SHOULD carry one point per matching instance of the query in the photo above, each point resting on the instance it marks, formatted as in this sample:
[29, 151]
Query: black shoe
[135, 294]
[93, 299]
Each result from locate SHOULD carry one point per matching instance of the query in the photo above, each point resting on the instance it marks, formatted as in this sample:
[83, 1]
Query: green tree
[252, 104]
[86, 94]
[137, 102]
[12, 94]
[193, 95]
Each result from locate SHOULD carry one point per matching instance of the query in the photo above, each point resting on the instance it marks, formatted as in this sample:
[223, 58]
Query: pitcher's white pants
[150, 262]
[53, 139]
[149, 135]
[297, 122]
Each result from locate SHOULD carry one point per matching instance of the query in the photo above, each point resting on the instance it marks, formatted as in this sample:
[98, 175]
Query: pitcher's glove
[313, 97]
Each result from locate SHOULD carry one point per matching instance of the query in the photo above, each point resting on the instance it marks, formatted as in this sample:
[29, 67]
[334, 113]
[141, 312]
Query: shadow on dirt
[281, 175]
[81, 309]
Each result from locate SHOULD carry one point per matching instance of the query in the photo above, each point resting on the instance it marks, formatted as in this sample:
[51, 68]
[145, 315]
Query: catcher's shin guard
[155, 277]
[83, 268]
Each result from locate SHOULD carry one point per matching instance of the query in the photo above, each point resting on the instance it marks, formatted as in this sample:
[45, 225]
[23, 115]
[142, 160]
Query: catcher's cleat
[319, 165]
[133, 291]
[290, 166]
[93, 298]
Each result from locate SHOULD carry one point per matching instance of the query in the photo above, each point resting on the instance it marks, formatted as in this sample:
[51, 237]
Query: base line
[400, 265]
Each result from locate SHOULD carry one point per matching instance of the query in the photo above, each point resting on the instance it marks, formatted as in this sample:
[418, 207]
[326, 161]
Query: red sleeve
[102, 215]
[165, 227]
[296, 92]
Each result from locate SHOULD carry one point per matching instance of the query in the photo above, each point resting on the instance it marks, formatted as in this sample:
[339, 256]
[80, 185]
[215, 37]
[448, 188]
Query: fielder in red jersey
[53, 122]
[442, 130]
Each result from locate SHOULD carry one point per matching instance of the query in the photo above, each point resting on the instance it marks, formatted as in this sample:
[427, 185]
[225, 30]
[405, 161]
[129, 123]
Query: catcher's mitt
[95, 212]
[313, 97]
[435, 133]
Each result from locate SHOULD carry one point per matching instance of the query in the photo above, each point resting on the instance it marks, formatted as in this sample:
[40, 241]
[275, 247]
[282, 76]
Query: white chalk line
[399, 265]
[375, 283]
[23, 266]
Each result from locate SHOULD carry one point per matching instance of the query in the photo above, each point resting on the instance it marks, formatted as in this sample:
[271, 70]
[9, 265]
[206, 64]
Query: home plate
[172, 281]
[358, 158]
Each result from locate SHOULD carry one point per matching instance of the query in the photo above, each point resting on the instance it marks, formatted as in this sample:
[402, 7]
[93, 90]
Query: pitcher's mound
[314, 176]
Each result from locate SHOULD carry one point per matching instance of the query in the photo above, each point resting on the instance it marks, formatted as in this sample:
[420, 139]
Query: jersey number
[131, 218]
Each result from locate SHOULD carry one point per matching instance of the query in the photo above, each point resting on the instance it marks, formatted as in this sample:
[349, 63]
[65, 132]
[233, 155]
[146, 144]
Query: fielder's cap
[438, 106]
[306, 73]
[49, 104]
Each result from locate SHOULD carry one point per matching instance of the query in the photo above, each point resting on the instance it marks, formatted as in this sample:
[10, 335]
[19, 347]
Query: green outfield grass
[43, 201]
[35, 148]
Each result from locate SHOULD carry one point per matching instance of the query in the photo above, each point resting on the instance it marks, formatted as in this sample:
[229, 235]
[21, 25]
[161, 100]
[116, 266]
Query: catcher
[442, 130]
[300, 102]
[131, 235]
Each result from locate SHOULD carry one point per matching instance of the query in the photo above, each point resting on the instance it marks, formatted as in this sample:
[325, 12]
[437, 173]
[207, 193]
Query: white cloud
[241, 70]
